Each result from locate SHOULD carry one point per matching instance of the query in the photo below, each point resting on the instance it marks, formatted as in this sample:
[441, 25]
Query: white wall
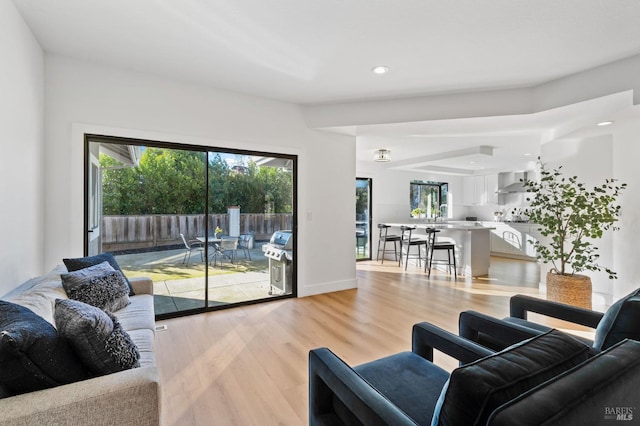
[86, 97]
[21, 158]
[626, 152]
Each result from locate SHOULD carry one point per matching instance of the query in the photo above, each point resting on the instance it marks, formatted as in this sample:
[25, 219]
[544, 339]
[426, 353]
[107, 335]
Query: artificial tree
[571, 216]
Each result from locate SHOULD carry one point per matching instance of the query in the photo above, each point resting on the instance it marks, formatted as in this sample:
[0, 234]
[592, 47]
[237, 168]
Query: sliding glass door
[363, 219]
[193, 219]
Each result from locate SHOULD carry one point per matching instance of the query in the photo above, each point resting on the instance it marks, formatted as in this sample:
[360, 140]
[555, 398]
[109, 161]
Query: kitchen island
[472, 240]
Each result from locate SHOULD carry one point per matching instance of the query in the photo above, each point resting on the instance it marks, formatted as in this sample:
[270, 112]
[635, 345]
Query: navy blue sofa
[547, 379]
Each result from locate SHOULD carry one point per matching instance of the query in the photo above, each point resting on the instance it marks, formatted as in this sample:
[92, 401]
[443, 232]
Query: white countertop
[453, 225]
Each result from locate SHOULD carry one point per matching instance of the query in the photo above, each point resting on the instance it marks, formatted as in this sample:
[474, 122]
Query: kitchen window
[428, 199]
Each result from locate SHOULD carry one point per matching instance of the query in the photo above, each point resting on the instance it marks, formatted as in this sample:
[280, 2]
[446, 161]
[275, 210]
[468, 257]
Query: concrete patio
[178, 286]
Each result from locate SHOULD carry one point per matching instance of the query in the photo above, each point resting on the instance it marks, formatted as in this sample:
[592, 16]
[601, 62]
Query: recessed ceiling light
[527, 154]
[605, 123]
[380, 69]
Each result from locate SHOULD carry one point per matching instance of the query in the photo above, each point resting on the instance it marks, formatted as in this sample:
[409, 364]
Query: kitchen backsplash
[514, 205]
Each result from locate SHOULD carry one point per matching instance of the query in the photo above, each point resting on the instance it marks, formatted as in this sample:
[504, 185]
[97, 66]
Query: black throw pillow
[475, 390]
[32, 355]
[84, 262]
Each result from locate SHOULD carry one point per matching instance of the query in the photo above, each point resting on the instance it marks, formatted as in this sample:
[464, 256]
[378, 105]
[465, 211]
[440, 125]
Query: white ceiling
[318, 52]
[487, 144]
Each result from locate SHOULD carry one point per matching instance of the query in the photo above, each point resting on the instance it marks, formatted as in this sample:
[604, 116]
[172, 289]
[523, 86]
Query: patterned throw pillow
[97, 337]
[108, 292]
[74, 279]
[84, 262]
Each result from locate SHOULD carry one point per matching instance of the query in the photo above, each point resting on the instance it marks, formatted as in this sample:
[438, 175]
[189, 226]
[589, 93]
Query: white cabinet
[513, 239]
[474, 191]
[468, 191]
[491, 185]
[479, 190]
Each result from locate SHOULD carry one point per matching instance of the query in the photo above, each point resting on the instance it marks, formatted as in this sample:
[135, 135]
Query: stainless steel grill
[279, 250]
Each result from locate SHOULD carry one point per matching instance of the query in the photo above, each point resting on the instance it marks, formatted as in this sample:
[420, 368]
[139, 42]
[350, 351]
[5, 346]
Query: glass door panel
[250, 199]
[363, 219]
[152, 202]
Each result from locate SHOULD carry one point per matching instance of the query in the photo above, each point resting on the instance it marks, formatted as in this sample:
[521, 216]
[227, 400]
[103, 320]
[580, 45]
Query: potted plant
[218, 232]
[571, 216]
[418, 212]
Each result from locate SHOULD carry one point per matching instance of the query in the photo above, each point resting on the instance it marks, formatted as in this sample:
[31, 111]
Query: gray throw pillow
[84, 262]
[108, 292]
[97, 337]
[74, 279]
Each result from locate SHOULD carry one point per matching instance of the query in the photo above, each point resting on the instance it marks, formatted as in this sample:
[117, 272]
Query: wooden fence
[135, 232]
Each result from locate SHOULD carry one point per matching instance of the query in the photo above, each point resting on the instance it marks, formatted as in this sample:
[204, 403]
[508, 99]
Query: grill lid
[282, 239]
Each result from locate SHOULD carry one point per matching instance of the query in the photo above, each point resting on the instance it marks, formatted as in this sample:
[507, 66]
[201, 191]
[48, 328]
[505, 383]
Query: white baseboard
[327, 287]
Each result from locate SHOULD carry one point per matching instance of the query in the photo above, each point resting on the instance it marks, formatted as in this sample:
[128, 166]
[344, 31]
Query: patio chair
[243, 244]
[227, 248]
[190, 246]
[362, 238]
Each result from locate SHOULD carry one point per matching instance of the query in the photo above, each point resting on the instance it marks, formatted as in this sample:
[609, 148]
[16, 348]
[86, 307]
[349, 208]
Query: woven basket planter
[570, 289]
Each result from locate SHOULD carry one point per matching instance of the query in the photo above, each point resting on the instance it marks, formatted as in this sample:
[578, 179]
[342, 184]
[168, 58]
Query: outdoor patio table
[212, 242]
[209, 240]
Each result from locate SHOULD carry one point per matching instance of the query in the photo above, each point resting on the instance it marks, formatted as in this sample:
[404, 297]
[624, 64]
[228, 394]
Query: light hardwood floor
[248, 365]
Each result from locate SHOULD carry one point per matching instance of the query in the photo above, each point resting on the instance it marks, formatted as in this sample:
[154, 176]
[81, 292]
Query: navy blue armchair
[340, 395]
[523, 382]
[619, 322]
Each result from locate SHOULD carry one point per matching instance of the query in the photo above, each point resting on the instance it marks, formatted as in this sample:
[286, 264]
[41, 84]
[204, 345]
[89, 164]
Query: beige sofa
[128, 397]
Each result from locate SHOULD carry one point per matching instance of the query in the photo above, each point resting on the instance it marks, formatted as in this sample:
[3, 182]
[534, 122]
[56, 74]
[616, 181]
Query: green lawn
[167, 265]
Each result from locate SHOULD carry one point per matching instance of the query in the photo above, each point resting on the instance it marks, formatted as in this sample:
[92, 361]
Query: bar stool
[383, 238]
[449, 247]
[406, 242]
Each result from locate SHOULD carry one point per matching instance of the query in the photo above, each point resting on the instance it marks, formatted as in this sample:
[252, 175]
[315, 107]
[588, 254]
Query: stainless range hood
[517, 186]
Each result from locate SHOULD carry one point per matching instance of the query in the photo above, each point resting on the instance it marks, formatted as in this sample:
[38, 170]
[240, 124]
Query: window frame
[443, 194]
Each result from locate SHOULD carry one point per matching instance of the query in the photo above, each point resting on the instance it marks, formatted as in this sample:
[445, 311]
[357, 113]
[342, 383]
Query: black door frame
[88, 138]
[370, 224]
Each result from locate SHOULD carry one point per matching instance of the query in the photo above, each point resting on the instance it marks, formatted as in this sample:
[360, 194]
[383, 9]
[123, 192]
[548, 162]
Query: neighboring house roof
[128, 155]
